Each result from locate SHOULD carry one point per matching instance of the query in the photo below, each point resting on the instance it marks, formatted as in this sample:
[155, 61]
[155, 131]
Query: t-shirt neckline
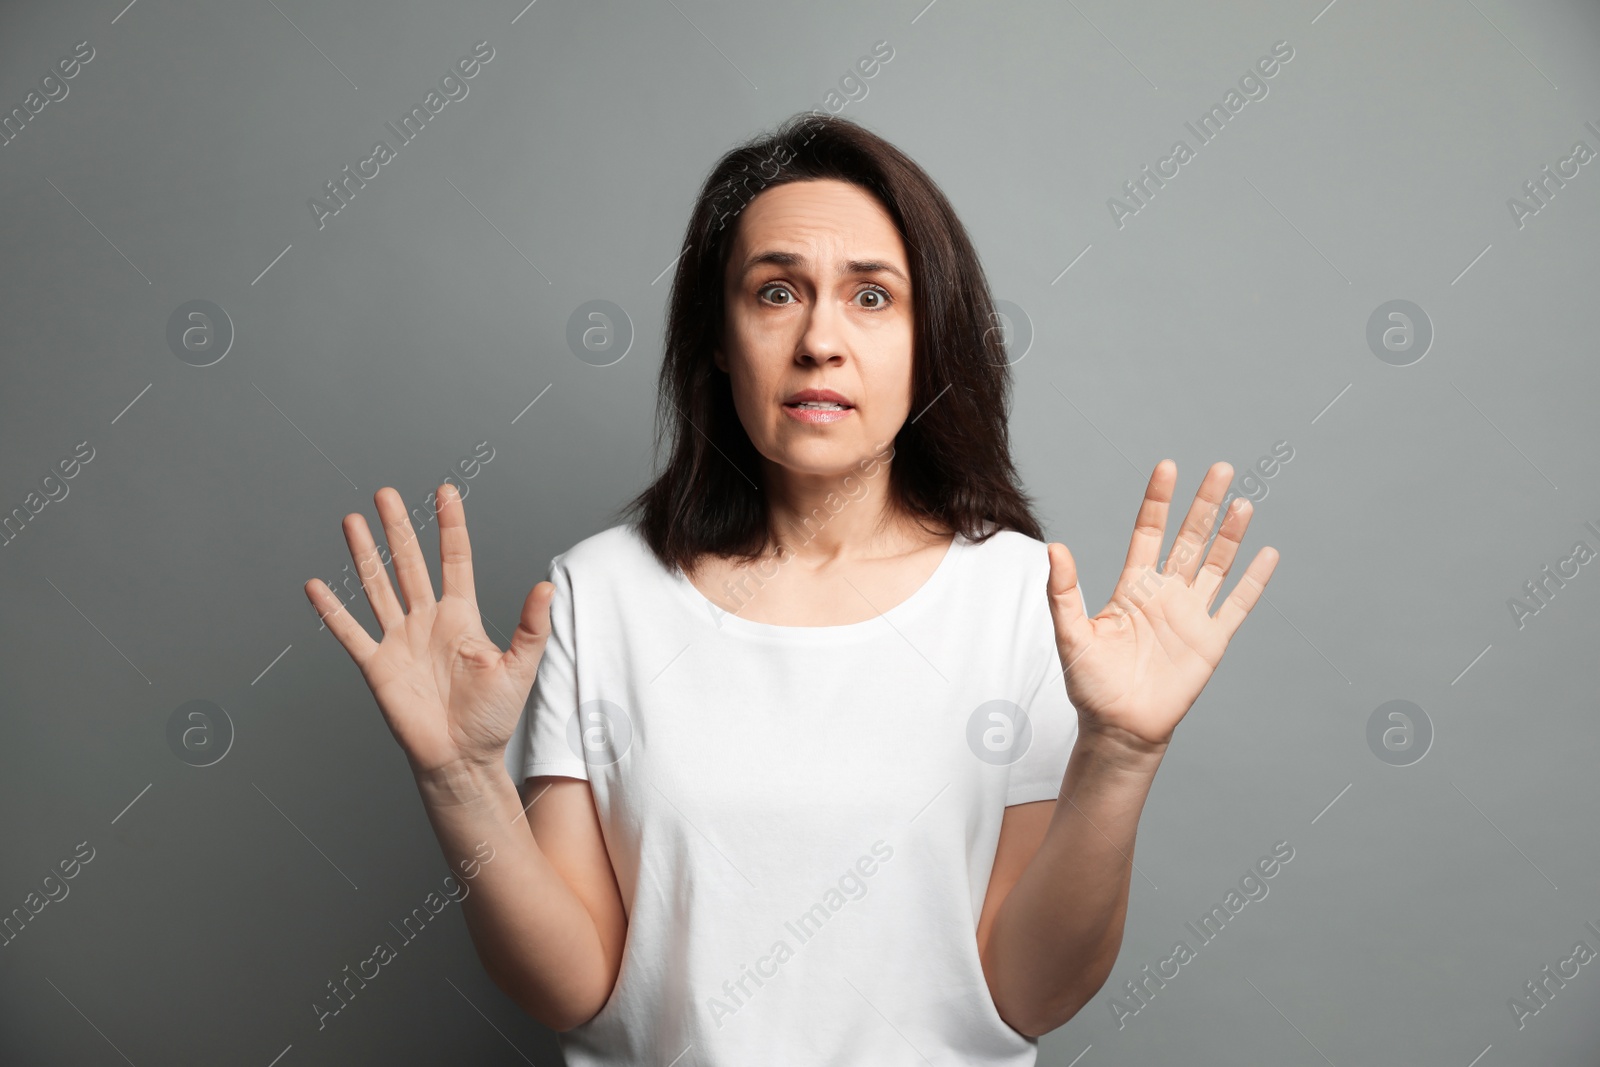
[723, 619]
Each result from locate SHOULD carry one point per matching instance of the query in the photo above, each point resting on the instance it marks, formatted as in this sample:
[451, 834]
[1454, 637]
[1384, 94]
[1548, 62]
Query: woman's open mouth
[817, 411]
[817, 405]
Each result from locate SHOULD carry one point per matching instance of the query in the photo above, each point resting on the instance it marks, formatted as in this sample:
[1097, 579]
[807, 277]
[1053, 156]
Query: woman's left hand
[1134, 669]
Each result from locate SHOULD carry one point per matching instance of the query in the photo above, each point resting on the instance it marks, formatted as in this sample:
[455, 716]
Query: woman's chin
[819, 458]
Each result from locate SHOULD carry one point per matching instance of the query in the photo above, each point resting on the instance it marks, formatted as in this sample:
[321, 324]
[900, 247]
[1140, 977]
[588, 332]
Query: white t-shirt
[802, 819]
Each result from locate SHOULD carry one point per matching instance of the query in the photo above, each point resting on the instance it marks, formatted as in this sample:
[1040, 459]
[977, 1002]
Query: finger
[455, 551]
[533, 630]
[1223, 550]
[1074, 634]
[1252, 583]
[350, 633]
[405, 549]
[1150, 527]
[1184, 559]
[370, 568]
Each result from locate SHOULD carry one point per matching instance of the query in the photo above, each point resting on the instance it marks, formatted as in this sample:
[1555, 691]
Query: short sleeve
[539, 744]
[1053, 721]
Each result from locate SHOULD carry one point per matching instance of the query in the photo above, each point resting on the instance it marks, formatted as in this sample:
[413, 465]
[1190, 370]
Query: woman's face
[818, 296]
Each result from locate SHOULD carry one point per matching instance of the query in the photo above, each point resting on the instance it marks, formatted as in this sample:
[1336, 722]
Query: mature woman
[791, 764]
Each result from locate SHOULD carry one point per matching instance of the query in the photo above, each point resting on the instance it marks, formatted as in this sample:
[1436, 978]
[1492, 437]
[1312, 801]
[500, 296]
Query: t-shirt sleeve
[1053, 721]
[539, 745]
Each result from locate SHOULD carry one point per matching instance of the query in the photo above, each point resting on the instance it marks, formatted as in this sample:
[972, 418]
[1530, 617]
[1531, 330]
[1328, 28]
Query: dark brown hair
[951, 465]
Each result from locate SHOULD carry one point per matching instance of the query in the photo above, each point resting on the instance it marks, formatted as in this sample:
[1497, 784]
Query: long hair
[951, 465]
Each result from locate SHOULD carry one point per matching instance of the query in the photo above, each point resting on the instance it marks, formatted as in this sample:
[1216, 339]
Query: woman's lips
[801, 413]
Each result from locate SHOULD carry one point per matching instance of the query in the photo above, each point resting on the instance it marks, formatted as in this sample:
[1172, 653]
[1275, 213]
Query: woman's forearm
[1057, 934]
[533, 934]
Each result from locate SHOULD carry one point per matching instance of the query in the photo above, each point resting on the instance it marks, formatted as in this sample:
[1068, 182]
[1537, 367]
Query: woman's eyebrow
[853, 266]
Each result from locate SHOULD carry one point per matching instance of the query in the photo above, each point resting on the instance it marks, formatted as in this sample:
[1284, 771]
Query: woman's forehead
[800, 223]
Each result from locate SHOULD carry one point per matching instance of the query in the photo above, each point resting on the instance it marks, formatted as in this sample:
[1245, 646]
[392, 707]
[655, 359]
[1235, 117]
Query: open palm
[1135, 668]
[450, 695]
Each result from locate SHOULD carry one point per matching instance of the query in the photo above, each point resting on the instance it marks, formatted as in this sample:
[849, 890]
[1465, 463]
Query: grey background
[1230, 313]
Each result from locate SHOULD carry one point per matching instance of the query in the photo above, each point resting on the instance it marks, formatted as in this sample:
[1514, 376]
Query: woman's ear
[716, 356]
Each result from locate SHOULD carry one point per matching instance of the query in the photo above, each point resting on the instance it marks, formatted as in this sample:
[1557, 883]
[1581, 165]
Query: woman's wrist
[1117, 750]
[465, 783]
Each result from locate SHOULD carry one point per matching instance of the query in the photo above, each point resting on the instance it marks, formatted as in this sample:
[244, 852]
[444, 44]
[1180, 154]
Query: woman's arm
[542, 904]
[544, 911]
[1132, 672]
[1055, 935]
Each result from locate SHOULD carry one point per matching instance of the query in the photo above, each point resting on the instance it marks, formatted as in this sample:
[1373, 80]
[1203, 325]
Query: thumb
[1073, 632]
[533, 631]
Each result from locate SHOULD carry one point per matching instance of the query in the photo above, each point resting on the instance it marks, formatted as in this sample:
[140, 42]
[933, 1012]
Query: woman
[791, 759]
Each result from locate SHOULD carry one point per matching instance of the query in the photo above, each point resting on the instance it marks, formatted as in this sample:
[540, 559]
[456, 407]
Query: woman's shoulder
[617, 558]
[620, 546]
[1012, 551]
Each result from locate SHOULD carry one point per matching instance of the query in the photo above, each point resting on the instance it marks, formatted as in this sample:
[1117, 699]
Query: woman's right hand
[451, 697]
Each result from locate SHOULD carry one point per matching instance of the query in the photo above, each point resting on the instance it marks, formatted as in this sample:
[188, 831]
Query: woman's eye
[879, 297]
